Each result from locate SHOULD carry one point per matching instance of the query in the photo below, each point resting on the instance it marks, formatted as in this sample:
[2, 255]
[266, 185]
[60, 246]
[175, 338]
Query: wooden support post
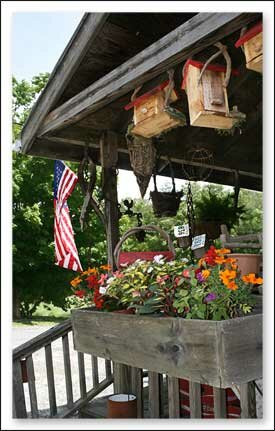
[19, 404]
[122, 378]
[154, 397]
[173, 397]
[137, 388]
[109, 155]
[248, 400]
[195, 400]
[219, 403]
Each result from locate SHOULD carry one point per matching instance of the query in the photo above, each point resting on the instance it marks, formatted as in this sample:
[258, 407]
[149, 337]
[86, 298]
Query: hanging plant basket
[166, 204]
[142, 155]
[153, 114]
[205, 85]
[252, 44]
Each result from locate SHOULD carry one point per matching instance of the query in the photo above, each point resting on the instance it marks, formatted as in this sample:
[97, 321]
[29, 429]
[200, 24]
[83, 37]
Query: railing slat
[41, 340]
[94, 360]
[32, 388]
[248, 400]
[67, 370]
[173, 397]
[82, 378]
[108, 368]
[219, 403]
[19, 404]
[137, 389]
[154, 400]
[50, 378]
[195, 399]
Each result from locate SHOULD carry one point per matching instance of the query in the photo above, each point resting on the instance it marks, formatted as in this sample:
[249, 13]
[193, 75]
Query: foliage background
[35, 277]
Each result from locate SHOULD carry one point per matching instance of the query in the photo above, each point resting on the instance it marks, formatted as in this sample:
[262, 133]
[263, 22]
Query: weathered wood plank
[241, 343]
[173, 397]
[154, 395]
[109, 156]
[19, 404]
[195, 399]
[175, 346]
[137, 389]
[32, 388]
[95, 378]
[41, 340]
[248, 400]
[67, 370]
[85, 34]
[202, 30]
[50, 379]
[219, 403]
[81, 373]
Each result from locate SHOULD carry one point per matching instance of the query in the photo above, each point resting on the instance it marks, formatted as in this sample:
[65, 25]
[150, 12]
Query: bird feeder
[205, 85]
[153, 114]
[252, 44]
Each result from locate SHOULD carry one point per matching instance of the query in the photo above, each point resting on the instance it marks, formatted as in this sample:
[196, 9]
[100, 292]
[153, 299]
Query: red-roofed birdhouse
[252, 43]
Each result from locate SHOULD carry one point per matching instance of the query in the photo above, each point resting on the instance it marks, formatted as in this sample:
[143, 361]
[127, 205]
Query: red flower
[210, 256]
[92, 281]
[186, 273]
[80, 293]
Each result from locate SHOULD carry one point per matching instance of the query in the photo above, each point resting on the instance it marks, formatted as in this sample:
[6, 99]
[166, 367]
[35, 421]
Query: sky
[38, 40]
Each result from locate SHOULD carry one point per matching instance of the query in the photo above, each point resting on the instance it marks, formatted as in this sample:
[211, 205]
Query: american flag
[66, 254]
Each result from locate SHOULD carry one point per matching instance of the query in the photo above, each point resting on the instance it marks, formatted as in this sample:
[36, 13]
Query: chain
[190, 211]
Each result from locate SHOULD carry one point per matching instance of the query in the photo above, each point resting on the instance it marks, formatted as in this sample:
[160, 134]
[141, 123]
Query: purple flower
[199, 277]
[210, 297]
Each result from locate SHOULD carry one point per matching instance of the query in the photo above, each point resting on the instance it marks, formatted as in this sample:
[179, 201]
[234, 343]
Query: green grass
[46, 314]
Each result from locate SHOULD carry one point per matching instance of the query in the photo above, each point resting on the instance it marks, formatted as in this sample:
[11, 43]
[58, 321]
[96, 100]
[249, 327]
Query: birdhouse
[252, 43]
[153, 113]
[207, 97]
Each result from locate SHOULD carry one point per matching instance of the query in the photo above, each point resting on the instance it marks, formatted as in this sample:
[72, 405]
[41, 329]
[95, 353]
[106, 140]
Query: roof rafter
[191, 37]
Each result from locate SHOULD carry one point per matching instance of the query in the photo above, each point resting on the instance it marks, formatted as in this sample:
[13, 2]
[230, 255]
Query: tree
[35, 277]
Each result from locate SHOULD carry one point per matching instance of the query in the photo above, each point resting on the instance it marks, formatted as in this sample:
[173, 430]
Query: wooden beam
[202, 30]
[85, 34]
[109, 155]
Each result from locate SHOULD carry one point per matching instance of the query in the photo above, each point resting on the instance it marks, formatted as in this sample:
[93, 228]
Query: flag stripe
[65, 248]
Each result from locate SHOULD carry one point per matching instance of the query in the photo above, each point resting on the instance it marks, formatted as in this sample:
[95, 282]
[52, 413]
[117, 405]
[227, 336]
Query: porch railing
[24, 376]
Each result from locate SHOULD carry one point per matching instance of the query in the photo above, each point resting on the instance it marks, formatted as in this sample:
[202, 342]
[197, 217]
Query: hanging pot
[166, 204]
[211, 228]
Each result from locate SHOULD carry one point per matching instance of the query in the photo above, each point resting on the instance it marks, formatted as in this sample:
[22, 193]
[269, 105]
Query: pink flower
[186, 273]
[102, 279]
[118, 274]
[135, 293]
[161, 280]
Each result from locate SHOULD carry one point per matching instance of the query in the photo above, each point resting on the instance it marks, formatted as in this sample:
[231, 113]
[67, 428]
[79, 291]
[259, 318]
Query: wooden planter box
[218, 353]
[207, 99]
[151, 118]
[252, 42]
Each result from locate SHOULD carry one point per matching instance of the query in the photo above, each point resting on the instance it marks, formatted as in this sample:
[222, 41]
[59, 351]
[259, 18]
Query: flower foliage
[211, 289]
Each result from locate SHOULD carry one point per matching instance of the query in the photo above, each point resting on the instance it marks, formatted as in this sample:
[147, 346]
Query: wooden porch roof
[109, 55]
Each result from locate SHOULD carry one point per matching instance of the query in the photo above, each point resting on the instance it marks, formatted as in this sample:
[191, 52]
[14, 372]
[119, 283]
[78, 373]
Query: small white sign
[198, 241]
[182, 230]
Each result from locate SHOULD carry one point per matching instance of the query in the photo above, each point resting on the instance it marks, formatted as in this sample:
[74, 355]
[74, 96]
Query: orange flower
[223, 251]
[251, 278]
[106, 267]
[76, 281]
[220, 259]
[201, 262]
[205, 273]
[227, 275]
[234, 266]
[232, 285]
[230, 260]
